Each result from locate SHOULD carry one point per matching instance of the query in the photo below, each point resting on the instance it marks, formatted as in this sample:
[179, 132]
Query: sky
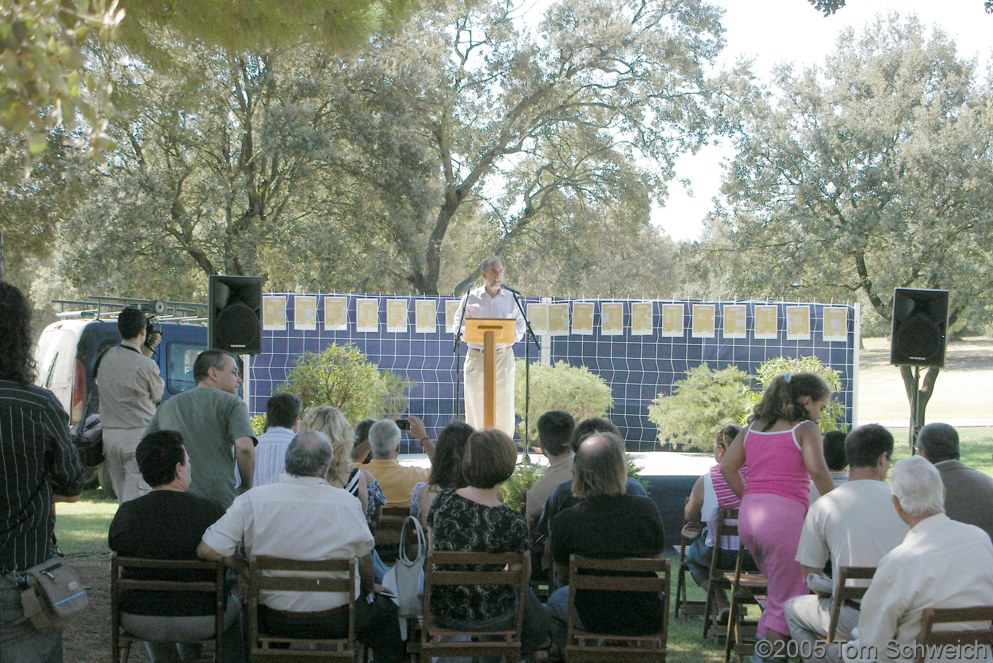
[774, 31]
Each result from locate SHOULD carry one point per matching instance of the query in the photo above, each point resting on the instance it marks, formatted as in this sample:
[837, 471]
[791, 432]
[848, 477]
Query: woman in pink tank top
[782, 449]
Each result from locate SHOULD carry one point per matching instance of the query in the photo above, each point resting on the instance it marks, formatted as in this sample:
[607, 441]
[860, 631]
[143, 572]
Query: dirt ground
[962, 393]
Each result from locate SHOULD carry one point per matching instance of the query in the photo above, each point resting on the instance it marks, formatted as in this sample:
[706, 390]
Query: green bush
[515, 489]
[701, 402]
[575, 389]
[834, 416]
[342, 376]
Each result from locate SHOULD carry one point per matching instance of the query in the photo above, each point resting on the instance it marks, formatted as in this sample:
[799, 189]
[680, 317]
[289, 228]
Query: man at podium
[493, 302]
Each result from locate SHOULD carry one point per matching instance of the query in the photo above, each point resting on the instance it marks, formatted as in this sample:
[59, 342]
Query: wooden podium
[489, 332]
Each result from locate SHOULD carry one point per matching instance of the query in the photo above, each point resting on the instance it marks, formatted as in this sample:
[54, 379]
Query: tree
[871, 173]
[525, 129]
[828, 7]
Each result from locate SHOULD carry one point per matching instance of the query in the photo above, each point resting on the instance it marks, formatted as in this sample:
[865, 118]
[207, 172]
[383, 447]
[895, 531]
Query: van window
[179, 365]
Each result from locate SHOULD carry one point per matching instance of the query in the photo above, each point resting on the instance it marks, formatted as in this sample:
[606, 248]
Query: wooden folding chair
[719, 580]
[847, 593]
[683, 603]
[626, 575]
[271, 574]
[169, 575]
[387, 533]
[746, 589]
[978, 633]
[456, 568]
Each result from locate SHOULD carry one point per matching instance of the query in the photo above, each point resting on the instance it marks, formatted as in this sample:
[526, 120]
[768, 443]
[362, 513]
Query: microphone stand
[457, 350]
[528, 332]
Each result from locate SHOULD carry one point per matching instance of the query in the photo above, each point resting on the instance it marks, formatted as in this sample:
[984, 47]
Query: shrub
[515, 488]
[341, 376]
[834, 416]
[701, 402]
[574, 389]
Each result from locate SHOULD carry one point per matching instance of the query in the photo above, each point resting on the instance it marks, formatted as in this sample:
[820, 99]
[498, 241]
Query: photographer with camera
[395, 479]
[130, 390]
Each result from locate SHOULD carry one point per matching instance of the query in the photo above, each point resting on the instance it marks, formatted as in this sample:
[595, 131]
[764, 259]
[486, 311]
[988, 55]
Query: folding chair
[276, 574]
[387, 533]
[976, 634]
[511, 569]
[683, 602]
[849, 594]
[746, 589]
[626, 575]
[719, 580]
[161, 575]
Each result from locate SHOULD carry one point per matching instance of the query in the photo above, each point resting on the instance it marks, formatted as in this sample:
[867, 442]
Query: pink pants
[769, 526]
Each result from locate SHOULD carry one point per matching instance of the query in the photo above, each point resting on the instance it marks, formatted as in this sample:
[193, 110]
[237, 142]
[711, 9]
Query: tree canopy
[871, 173]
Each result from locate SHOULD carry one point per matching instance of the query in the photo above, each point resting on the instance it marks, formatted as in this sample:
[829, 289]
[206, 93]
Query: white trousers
[504, 396]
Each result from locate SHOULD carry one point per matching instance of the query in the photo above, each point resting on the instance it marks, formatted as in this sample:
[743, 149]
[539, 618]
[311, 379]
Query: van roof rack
[100, 307]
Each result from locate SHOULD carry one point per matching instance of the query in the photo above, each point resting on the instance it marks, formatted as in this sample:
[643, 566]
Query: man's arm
[420, 433]
[694, 503]
[245, 454]
[63, 465]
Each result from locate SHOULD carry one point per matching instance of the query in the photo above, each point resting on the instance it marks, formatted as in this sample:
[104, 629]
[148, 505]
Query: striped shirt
[38, 460]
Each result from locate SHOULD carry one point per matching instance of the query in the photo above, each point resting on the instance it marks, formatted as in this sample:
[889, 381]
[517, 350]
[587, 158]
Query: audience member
[282, 415]
[562, 497]
[606, 523]
[362, 451]
[213, 420]
[968, 492]
[40, 466]
[709, 495]
[555, 428]
[782, 449]
[167, 523]
[473, 519]
[853, 525]
[835, 456]
[446, 469]
[332, 422]
[130, 390]
[303, 517]
[941, 563]
[396, 480]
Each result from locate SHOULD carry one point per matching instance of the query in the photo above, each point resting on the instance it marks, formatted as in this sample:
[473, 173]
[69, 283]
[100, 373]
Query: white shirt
[940, 564]
[478, 304]
[855, 524]
[270, 455]
[302, 518]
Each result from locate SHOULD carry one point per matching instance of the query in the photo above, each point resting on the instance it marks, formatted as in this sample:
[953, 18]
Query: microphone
[513, 290]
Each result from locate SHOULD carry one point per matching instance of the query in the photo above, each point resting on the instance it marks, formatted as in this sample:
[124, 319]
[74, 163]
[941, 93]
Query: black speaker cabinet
[920, 318]
[235, 322]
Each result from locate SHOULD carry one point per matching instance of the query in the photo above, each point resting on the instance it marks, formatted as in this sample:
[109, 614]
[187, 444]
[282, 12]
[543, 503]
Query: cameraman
[130, 389]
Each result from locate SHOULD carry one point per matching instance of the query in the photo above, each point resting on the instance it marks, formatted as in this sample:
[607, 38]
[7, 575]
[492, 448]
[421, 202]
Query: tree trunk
[1, 255]
[924, 391]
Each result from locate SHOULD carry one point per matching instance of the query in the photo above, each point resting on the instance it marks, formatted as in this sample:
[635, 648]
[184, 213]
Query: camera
[403, 424]
[151, 327]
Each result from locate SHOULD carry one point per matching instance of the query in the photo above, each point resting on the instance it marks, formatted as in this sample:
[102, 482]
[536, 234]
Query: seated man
[282, 416]
[940, 564]
[853, 525]
[304, 517]
[968, 492]
[167, 523]
[555, 427]
[606, 524]
[563, 497]
[396, 480]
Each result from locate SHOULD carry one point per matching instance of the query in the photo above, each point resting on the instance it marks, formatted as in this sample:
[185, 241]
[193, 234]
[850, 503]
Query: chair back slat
[121, 565]
[978, 632]
[847, 592]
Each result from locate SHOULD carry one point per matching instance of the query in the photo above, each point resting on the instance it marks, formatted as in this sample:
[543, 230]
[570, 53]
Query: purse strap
[421, 541]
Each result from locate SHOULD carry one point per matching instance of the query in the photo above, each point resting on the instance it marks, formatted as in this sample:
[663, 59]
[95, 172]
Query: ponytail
[782, 398]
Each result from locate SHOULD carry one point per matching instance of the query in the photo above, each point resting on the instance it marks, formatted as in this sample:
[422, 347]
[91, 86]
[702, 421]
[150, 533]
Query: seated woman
[605, 524]
[168, 523]
[473, 519]
[446, 469]
[332, 422]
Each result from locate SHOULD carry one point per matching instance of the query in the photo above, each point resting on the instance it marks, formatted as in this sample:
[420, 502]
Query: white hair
[917, 484]
[384, 437]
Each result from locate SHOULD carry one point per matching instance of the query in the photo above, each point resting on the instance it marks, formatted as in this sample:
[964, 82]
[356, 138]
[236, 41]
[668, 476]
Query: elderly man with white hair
[395, 479]
[940, 564]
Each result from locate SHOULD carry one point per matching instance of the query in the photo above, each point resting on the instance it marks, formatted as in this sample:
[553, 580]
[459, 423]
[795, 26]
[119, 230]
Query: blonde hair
[332, 422]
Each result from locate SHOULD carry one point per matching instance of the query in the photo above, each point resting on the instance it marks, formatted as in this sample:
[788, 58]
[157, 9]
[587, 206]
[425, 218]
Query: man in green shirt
[214, 421]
